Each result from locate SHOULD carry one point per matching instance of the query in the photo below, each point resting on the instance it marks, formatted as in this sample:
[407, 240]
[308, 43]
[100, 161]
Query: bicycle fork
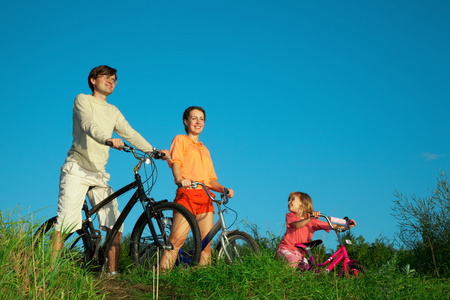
[336, 258]
[162, 223]
[224, 234]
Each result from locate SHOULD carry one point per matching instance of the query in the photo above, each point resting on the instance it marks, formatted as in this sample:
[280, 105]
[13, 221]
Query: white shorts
[74, 184]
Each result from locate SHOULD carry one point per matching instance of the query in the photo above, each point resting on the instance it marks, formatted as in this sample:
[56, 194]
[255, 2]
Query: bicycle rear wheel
[76, 244]
[143, 246]
[240, 245]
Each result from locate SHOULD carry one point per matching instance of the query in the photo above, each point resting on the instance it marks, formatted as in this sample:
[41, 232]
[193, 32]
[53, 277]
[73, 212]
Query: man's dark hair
[100, 70]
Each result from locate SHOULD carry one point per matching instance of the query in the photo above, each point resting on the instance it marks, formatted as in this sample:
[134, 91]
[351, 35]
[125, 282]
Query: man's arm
[124, 130]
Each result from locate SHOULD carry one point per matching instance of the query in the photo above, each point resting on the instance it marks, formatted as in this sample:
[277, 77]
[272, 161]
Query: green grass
[27, 272]
[266, 277]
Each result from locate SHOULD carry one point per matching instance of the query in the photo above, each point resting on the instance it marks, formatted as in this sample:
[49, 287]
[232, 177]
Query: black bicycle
[87, 245]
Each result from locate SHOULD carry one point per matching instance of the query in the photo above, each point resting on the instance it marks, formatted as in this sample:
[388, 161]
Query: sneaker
[112, 274]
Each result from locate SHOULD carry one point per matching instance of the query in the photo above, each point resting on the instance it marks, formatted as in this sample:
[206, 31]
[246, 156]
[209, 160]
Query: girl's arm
[301, 223]
[217, 187]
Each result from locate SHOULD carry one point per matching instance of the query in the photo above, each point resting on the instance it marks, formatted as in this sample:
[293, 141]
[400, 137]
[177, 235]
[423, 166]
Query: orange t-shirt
[194, 160]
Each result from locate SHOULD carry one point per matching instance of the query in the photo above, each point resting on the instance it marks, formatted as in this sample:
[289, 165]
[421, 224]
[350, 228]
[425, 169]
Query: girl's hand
[314, 214]
[351, 223]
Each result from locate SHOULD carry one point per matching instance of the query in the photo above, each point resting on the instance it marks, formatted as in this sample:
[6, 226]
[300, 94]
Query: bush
[424, 228]
[370, 255]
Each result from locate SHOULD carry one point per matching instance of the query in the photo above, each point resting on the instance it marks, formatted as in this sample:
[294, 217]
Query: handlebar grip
[158, 155]
[225, 195]
[194, 185]
[338, 221]
[125, 147]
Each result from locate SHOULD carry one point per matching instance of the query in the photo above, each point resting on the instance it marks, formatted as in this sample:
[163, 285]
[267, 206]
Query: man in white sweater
[94, 121]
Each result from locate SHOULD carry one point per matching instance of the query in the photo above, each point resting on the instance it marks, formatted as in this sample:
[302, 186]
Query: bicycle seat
[308, 246]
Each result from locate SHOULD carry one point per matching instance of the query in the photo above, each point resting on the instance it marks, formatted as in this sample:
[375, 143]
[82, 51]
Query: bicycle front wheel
[240, 245]
[144, 248]
[356, 270]
[76, 244]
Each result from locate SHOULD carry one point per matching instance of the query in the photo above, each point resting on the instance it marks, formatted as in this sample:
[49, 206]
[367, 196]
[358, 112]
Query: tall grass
[27, 269]
[266, 277]
[27, 272]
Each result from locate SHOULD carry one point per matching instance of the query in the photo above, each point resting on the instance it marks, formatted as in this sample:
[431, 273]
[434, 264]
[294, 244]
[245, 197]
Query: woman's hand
[166, 154]
[184, 183]
[230, 193]
[351, 223]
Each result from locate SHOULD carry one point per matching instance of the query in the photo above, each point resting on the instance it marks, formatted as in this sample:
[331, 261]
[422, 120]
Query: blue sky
[347, 101]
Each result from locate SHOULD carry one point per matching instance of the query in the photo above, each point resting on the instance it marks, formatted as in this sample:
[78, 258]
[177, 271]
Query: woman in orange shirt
[191, 161]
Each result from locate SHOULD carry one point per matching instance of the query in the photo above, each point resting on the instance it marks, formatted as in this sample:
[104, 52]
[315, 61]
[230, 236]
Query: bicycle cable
[235, 219]
[153, 176]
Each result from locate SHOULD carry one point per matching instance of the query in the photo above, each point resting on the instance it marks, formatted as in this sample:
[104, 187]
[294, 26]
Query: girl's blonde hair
[306, 202]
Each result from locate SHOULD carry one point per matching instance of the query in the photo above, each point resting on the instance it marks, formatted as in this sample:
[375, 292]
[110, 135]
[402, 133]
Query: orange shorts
[196, 201]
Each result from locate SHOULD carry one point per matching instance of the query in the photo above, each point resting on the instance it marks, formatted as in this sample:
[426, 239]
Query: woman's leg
[177, 238]
[205, 223]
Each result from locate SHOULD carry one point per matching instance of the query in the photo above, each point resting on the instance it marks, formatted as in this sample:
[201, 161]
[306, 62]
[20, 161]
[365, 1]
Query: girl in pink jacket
[302, 221]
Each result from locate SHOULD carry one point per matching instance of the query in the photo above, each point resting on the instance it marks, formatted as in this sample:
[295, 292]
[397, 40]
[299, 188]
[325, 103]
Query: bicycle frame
[219, 225]
[338, 256]
[334, 260]
[139, 194]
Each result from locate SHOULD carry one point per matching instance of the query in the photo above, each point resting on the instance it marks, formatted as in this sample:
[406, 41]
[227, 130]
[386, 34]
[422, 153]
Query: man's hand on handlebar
[114, 143]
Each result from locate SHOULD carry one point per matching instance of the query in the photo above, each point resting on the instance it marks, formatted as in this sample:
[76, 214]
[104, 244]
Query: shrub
[424, 228]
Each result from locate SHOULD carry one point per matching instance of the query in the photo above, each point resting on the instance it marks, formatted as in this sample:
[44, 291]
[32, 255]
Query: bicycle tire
[354, 269]
[143, 248]
[241, 245]
[76, 244]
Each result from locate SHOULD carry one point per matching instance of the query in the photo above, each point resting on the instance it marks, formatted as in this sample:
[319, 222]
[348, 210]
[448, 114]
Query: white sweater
[94, 121]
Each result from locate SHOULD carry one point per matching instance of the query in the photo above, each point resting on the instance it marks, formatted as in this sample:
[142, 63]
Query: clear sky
[347, 101]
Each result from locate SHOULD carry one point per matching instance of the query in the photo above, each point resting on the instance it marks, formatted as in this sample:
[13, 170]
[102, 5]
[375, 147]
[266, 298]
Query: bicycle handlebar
[332, 221]
[145, 158]
[154, 154]
[224, 197]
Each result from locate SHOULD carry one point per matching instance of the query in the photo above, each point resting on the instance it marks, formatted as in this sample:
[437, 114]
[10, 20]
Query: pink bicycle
[349, 267]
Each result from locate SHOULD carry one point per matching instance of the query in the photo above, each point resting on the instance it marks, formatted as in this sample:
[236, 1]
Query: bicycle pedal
[96, 236]
[96, 233]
